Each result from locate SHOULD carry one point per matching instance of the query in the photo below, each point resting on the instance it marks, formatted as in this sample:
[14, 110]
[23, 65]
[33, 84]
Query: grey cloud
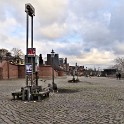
[69, 51]
[118, 48]
[3, 37]
[88, 7]
[117, 22]
[99, 24]
[49, 12]
[72, 49]
[92, 22]
[3, 12]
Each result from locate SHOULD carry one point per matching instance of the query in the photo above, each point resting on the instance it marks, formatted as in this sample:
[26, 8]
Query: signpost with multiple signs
[31, 91]
[30, 52]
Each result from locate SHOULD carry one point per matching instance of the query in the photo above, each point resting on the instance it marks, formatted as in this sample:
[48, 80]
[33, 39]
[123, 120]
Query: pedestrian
[119, 76]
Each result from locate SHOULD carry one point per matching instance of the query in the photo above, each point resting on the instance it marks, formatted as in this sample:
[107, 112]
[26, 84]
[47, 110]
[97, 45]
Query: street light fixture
[52, 56]
[29, 9]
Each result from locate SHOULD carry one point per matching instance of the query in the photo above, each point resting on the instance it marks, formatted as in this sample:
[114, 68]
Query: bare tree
[17, 54]
[8, 56]
[1, 56]
[119, 63]
[3, 53]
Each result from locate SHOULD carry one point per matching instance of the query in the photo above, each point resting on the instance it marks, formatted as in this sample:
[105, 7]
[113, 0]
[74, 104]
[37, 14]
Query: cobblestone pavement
[94, 100]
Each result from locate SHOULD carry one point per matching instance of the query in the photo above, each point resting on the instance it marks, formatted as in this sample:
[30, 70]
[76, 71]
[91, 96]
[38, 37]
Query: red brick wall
[21, 72]
[1, 73]
[46, 72]
[9, 71]
[5, 72]
[61, 73]
[13, 71]
[18, 71]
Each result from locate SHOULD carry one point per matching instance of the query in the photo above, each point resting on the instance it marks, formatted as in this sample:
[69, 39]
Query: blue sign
[29, 68]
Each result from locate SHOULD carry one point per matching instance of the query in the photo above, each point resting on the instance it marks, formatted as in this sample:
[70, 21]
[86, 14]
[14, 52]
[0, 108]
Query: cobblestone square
[95, 100]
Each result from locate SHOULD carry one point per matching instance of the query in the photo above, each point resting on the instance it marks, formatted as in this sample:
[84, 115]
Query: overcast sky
[89, 32]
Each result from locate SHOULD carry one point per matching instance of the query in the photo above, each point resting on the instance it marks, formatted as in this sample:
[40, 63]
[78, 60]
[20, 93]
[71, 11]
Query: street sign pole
[30, 11]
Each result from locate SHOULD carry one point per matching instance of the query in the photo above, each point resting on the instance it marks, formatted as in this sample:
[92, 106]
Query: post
[76, 70]
[32, 47]
[31, 31]
[26, 58]
[52, 73]
[29, 9]
[23, 94]
[27, 35]
[86, 71]
[73, 72]
[52, 56]
[77, 74]
[36, 74]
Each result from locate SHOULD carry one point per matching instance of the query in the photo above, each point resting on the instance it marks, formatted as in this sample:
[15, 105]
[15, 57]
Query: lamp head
[29, 9]
[52, 53]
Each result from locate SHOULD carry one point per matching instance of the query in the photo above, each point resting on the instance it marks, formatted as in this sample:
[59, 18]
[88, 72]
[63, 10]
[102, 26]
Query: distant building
[55, 60]
[61, 61]
[49, 59]
[40, 59]
[109, 72]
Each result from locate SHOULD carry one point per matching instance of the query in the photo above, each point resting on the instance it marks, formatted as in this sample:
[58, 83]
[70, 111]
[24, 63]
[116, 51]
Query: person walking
[119, 76]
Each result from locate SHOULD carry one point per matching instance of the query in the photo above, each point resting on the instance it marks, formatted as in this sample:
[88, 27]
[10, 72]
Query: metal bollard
[23, 94]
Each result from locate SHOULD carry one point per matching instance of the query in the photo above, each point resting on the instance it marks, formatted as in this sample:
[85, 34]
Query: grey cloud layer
[99, 23]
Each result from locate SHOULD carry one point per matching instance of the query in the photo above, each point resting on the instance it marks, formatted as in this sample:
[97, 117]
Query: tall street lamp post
[52, 55]
[30, 11]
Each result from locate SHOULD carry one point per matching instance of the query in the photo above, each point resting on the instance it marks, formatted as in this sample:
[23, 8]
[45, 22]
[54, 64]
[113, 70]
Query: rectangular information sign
[29, 68]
